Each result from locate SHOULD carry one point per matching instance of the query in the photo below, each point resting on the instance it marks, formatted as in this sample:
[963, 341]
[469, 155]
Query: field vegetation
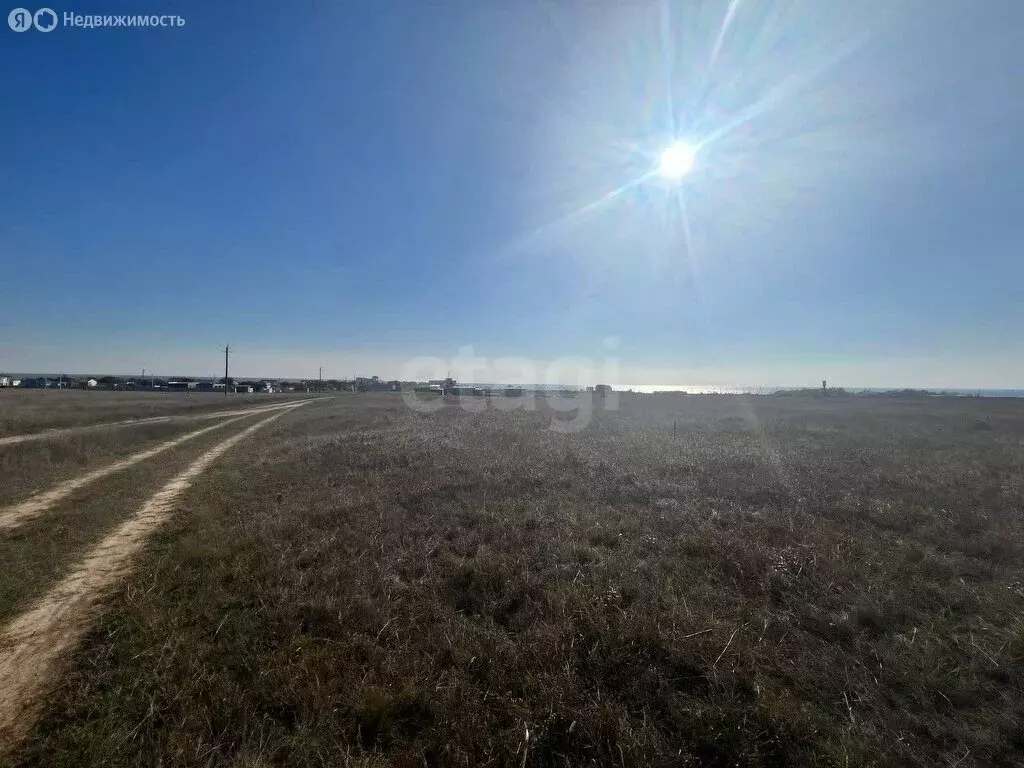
[37, 465]
[24, 411]
[37, 550]
[689, 581]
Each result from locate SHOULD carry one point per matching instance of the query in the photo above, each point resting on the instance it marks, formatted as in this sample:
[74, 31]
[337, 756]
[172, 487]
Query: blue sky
[359, 184]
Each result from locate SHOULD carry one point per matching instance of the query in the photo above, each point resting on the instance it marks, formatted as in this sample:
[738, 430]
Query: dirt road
[32, 507]
[32, 643]
[49, 434]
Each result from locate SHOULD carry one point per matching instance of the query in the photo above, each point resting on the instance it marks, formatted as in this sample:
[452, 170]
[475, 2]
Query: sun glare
[677, 160]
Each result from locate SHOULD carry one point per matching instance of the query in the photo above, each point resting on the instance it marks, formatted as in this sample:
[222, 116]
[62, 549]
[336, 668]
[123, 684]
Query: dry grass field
[689, 581]
[39, 464]
[34, 410]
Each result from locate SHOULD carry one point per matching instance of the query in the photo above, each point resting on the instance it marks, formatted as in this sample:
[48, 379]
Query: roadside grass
[36, 554]
[34, 410]
[27, 468]
[690, 581]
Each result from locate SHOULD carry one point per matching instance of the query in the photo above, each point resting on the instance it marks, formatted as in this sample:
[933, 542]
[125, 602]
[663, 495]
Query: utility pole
[320, 385]
[227, 350]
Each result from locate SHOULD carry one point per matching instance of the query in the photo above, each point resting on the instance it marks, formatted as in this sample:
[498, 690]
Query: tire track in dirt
[32, 643]
[49, 434]
[34, 506]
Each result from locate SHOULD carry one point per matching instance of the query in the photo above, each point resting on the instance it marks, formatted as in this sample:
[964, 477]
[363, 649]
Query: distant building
[602, 389]
[5, 381]
[91, 383]
[373, 384]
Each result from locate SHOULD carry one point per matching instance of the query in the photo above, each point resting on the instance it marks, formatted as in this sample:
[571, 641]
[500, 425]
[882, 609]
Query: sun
[677, 160]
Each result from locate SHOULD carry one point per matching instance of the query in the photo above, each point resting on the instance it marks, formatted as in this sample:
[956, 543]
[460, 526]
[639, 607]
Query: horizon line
[618, 386]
